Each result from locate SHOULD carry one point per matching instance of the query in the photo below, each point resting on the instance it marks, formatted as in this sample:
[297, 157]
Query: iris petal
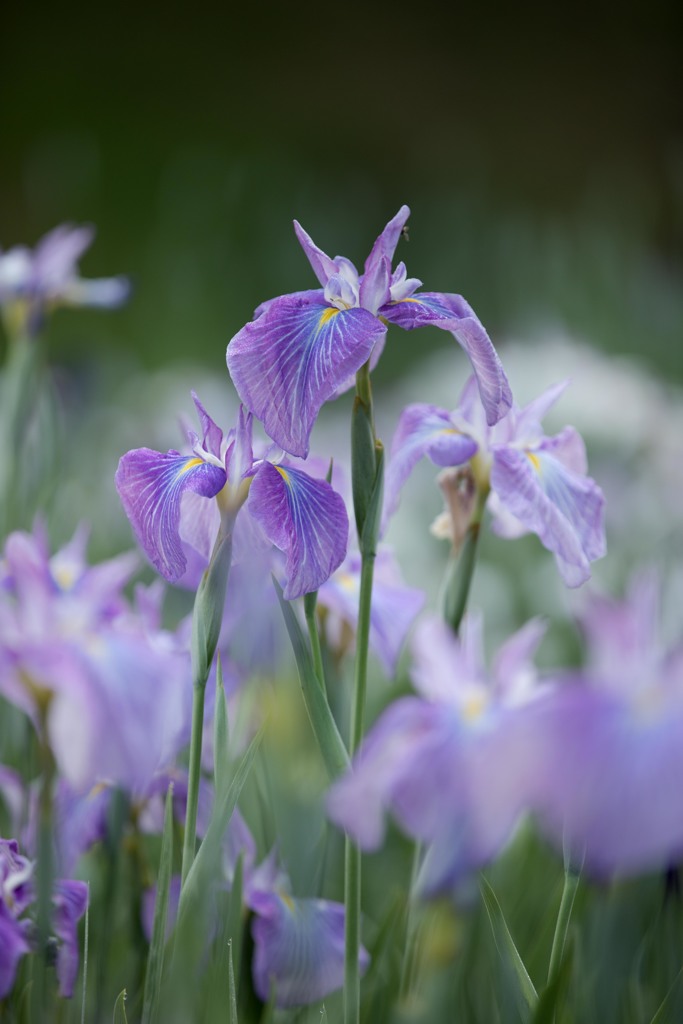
[299, 948]
[150, 485]
[294, 357]
[452, 313]
[303, 517]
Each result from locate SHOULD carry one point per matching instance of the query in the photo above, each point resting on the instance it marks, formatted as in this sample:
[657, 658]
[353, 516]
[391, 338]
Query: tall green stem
[206, 625]
[310, 601]
[45, 880]
[460, 571]
[367, 466]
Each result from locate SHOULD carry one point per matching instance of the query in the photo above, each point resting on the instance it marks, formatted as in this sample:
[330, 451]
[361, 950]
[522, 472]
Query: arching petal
[423, 430]
[299, 948]
[565, 510]
[287, 363]
[452, 313]
[150, 485]
[303, 517]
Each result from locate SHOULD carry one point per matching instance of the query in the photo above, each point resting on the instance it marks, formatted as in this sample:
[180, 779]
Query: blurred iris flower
[17, 893]
[457, 765]
[305, 348]
[162, 495]
[105, 687]
[33, 282]
[617, 736]
[538, 483]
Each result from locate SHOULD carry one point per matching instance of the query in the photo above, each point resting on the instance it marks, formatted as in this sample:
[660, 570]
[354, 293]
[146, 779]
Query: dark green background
[541, 151]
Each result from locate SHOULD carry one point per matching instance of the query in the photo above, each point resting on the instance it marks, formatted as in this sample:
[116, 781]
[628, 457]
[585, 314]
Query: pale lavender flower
[39, 280]
[113, 691]
[394, 606]
[162, 495]
[303, 349]
[538, 483]
[456, 766]
[616, 728]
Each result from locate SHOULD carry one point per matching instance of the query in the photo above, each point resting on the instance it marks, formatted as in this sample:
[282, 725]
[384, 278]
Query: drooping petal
[70, 900]
[452, 313]
[303, 517]
[423, 430]
[287, 363]
[101, 292]
[299, 948]
[13, 945]
[150, 485]
[562, 507]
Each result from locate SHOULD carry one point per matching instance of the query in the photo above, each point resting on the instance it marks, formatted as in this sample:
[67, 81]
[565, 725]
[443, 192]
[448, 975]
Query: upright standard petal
[303, 517]
[294, 357]
[299, 948]
[150, 485]
[452, 313]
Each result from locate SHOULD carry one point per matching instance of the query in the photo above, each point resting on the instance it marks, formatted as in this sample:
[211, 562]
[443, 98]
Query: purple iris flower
[17, 894]
[458, 765]
[394, 607]
[538, 484]
[113, 689]
[303, 349]
[48, 276]
[162, 495]
[614, 795]
[298, 943]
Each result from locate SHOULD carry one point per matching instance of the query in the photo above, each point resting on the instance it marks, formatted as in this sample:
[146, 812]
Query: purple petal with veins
[452, 313]
[423, 430]
[287, 363]
[303, 517]
[151, 485]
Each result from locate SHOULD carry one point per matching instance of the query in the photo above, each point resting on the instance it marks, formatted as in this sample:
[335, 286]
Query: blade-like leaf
[195, 896]
[221, 746]
[552, 995]
[231, 987]
[155, 961]
[506, 946]
[324, 726]
[660, 1016]
[120, 1008]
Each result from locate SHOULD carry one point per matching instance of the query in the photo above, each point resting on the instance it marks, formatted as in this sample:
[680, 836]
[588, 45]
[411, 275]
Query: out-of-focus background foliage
[541, 152]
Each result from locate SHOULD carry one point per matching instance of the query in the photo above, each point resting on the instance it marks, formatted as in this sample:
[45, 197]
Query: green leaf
[195, 896]
[231, 987]
[506, 946]
[322, 720]
[120, 1008]
[553, 994]
[155, 960]
[221, 734]
[659, 1017]
[233, 925]
[86, 949]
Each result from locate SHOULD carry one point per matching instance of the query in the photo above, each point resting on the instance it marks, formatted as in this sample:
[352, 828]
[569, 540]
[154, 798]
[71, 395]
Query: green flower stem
[206, 626]
[571, 884]
[310, 601]
[367, 479]
[20, 386]
[460, 570]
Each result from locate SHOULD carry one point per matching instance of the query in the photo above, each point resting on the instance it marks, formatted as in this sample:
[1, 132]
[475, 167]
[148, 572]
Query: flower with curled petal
[162, 494]
[304, 348]
[538, 484]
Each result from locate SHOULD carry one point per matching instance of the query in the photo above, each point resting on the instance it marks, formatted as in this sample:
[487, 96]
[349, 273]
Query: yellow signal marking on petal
[284, 474]
[534, 460]
[287, 900]
[326, 316]
[190, 464]
[474, 707]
